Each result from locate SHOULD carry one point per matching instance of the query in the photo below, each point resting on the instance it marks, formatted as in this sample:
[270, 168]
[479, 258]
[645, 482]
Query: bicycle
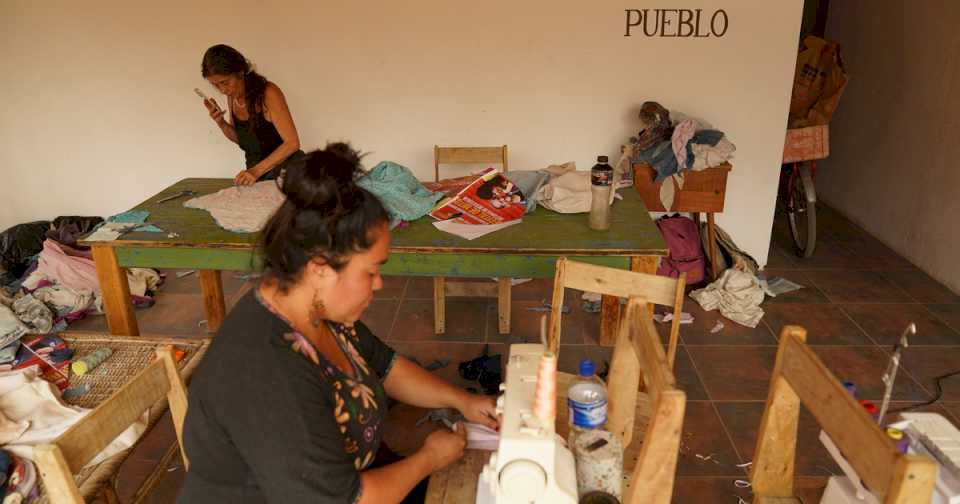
[799, 199]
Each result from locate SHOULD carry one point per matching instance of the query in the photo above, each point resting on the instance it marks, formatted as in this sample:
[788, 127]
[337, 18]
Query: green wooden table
[192, 239]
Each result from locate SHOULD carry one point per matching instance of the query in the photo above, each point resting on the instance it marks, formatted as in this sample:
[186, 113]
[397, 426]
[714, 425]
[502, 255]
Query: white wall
[99, 112]
[894, 150]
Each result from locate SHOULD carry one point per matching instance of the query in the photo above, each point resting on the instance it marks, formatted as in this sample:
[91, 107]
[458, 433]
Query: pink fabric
[682, 134]
[78, 273]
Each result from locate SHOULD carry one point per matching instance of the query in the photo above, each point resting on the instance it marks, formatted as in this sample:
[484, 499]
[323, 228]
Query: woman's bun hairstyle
[326, 214]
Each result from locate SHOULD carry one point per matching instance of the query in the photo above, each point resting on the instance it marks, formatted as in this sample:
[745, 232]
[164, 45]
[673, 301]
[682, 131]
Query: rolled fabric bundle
[90, 361]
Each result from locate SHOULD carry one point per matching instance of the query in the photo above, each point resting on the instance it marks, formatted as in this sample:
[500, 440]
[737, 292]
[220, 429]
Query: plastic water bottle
[586, 401]
[601, 181]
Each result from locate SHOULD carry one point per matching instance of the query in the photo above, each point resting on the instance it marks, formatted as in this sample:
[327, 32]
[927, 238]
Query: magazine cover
[490, 199]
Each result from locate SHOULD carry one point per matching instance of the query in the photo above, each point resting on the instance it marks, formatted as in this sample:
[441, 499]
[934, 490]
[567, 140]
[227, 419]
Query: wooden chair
[799, 376]
[615, 282]
[638, 352]
[469, 155]
[67, 455]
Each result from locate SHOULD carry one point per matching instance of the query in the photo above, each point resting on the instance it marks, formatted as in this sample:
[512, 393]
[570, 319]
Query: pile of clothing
[672, 143]
[52, 281]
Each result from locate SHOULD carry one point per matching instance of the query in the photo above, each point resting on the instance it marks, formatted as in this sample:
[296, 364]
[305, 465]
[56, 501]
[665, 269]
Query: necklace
[240, 104]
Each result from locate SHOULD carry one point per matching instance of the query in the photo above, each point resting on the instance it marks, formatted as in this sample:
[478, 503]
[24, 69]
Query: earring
[316, 314]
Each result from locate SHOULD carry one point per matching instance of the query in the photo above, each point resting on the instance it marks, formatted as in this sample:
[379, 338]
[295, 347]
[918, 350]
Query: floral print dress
[360, 400]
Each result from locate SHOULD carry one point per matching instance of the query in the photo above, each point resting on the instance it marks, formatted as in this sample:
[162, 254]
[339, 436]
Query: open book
[490, 199]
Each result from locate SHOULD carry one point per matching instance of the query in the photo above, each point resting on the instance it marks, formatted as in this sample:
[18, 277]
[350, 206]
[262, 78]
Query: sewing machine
[930, 434]
[531, 464]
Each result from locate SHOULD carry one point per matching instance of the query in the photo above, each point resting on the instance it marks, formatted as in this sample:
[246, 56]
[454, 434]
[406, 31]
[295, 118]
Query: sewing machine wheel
[522, 481]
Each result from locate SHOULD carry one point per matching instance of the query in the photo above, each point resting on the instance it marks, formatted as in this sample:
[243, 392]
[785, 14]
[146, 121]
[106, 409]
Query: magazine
[490, 199]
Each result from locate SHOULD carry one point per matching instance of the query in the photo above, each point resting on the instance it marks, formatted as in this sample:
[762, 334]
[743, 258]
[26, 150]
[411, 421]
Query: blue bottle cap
[586, 367]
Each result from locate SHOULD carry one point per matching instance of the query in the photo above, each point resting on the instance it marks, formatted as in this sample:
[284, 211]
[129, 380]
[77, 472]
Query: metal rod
[891, 373]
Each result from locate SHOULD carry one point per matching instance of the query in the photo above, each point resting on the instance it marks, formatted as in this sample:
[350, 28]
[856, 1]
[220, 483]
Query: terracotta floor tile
[380, 315]
[427, 352]
[921, 286]
[703, 435]
[465, 321]
[885, 323]
[926, 363]
[174, 314]
[734, 373]
[851, 286]
[394, 287]
[698, 333]
[864, 365]
[742, 420]
[525, 324]
[687, 378]
[826, 324]
[707, 489]
[949, 313]
[808, 294]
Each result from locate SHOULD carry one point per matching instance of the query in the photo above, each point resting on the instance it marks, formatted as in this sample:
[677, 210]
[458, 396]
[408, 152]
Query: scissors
[175, 196]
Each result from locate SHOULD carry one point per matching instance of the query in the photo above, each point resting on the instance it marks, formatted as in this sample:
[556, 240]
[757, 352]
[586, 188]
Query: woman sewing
[260, 121]
[289, 403]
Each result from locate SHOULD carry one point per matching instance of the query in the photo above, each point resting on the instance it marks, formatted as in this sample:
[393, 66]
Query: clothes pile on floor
[50, 281]
[672, 142]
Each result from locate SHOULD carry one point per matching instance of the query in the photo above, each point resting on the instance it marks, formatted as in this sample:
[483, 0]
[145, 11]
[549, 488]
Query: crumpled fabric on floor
[737, 294]
[34, 314]
[402, 195]
[241, 209]
[65, 298]
[11, 329]
[27, 399]
[80, 273]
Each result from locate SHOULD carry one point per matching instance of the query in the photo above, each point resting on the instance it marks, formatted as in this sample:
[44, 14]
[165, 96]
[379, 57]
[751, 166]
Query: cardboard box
[807, 144]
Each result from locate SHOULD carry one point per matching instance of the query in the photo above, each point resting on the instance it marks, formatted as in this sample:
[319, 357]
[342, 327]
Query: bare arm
[411, 384]
[279, 114]
[216, 113]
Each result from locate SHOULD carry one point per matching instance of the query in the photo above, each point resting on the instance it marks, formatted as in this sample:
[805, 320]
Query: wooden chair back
[467, 155]
[502, 291]
[58, 461]
[799, 376]
[638, 356]
[616, 282]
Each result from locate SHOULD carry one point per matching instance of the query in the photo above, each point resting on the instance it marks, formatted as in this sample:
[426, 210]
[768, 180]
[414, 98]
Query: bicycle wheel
[802, 212]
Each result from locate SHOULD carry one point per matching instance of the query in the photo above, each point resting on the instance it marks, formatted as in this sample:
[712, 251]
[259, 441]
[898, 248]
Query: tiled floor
[859, 296]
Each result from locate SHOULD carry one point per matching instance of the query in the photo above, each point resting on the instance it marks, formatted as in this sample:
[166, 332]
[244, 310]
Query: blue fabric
[708, 137]
[403, 196]
[133, 216]
[529, 182]
[661, 158]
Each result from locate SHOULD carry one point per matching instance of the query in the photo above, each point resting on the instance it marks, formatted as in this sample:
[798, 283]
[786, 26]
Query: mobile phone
[203, 95]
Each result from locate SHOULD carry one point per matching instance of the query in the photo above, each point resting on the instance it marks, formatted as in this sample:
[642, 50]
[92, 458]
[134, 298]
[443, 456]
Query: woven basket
[130, 356]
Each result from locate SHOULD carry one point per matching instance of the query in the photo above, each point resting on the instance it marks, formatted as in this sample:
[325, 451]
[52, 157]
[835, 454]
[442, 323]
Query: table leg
[503, 304]
[439, 305]
[212, 288]
[712, 240]
[610, 308]
[116, 292]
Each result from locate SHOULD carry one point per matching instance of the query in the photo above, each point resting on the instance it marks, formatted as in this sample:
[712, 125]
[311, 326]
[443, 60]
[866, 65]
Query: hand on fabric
[216, 113]
[245, 177]
[443, 447]
[480, 409]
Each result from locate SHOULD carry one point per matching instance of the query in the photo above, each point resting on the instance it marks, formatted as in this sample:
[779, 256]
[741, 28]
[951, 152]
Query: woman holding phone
[260, 121]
